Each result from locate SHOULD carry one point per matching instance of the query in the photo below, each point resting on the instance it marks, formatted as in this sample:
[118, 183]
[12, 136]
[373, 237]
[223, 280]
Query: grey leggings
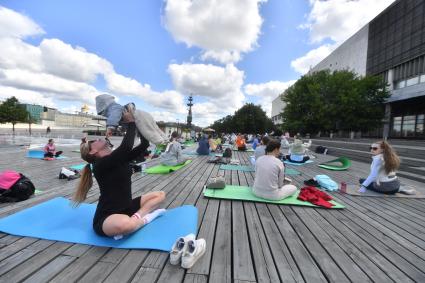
[389, 188]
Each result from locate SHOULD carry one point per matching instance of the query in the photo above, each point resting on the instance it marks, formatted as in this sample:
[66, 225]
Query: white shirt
[269, 174]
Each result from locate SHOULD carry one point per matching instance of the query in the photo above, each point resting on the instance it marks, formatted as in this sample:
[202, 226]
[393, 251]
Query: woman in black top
[116, 213]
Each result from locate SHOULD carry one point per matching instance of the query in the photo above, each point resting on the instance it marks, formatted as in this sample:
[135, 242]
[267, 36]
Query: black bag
[321, 149]
[227, 152]
[21, 190]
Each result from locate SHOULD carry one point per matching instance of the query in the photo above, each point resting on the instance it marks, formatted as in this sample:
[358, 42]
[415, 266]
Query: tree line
[334, 101]
[248, 119]
[11, 111]
[323, 101]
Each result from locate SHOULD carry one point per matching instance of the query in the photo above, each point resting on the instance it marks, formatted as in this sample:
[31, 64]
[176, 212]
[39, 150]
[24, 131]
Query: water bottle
[343, 188]
[143, 172]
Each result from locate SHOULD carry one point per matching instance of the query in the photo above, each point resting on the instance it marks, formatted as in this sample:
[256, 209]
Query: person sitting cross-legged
[297, 152]
[116, 213]
[50, 150]
[270, 175]
[173, 154]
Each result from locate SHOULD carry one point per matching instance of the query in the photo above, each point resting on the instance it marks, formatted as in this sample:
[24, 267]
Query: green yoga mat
[248, 150]
[290, 171]
[163, 169]
[339, 164]
[244, 193]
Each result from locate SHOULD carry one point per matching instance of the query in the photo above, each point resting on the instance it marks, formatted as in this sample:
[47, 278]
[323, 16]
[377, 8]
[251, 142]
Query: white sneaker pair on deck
[187, 250]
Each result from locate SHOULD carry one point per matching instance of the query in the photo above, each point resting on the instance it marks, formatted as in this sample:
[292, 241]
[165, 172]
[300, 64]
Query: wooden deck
[372, 240]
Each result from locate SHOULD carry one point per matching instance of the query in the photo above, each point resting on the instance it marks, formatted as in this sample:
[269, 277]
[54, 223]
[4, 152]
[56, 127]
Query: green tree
[248, 119]
[12, 112]
[325, 101]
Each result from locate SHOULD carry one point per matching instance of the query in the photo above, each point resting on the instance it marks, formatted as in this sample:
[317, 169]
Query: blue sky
[227, 53]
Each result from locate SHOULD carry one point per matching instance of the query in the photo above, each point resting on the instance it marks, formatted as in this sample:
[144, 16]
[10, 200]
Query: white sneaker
[195, 249]
[179, 247]
[406, 191]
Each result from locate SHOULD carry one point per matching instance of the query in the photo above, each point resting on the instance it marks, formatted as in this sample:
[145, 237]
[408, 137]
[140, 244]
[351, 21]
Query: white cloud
[267, 92]
[219, 88]
[336, 20]
[223, 29]
[26, 96]
[340, 19]
[303, 64]
[57, 72]
[77, 64]
[13, 24]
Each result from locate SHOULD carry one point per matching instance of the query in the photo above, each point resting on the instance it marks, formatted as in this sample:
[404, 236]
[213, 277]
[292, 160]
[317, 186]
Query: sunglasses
[373, 148]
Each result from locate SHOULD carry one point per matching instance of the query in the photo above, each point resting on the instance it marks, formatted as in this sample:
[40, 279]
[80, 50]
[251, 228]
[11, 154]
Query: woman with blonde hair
[382, 177]
[116, 213]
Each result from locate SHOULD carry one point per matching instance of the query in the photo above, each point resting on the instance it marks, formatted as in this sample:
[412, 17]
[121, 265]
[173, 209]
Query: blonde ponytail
[391, 160]
[86, 182]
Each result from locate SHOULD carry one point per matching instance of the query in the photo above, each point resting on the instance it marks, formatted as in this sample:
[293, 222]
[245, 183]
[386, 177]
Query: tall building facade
[277, 107]
[392, 45]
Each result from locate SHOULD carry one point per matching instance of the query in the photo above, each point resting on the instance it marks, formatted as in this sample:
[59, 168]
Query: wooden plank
[16, 246]
[264, 265]
[98, 272]
[21, 256]
[195, 278]
[171, 274]
[34, 263]
[207, 232]
[222, 257]
[146, 274]
[80, 266]
[242, 261]
[344, 262]
[50, 270]
[349, 239]
[77, 250]
[128, 267]
[325, 262]
[288, 245]
[385, 246]
[398, 236]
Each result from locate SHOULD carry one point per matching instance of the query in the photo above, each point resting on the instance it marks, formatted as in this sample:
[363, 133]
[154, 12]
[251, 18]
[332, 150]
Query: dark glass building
[393, 44]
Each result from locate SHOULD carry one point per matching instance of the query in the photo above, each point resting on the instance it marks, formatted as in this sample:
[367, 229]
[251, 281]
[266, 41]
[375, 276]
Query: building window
[409, 126]
[396, 132]
[412, 81]
[420, 125]
[400, 84]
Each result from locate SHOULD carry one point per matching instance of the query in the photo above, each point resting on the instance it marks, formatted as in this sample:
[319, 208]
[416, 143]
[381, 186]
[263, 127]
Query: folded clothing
[315, 196]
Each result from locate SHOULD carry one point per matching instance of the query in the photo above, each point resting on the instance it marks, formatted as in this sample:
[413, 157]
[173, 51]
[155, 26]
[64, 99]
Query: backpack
[321, 149]
[21, 190]
[227, 152]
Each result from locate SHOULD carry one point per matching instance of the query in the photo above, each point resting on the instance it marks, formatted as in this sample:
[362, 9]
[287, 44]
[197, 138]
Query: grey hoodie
[106, 106]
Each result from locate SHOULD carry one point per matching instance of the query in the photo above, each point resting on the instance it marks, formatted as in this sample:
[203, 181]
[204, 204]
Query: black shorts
[98, 222]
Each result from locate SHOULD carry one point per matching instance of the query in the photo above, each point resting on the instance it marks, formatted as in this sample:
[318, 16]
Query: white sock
[118, 237]
[154, 214]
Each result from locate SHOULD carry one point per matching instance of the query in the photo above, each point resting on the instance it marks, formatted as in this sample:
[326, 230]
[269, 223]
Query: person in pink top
[50, 149]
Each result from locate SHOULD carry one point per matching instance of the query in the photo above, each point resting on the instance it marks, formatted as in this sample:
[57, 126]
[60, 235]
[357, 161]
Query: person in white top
[270, 175]
[382, 177]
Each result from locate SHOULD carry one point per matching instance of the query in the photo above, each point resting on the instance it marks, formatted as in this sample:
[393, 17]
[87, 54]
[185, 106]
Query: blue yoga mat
[78, 167]
[39, 154]
[74, 225]
[297, 164]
